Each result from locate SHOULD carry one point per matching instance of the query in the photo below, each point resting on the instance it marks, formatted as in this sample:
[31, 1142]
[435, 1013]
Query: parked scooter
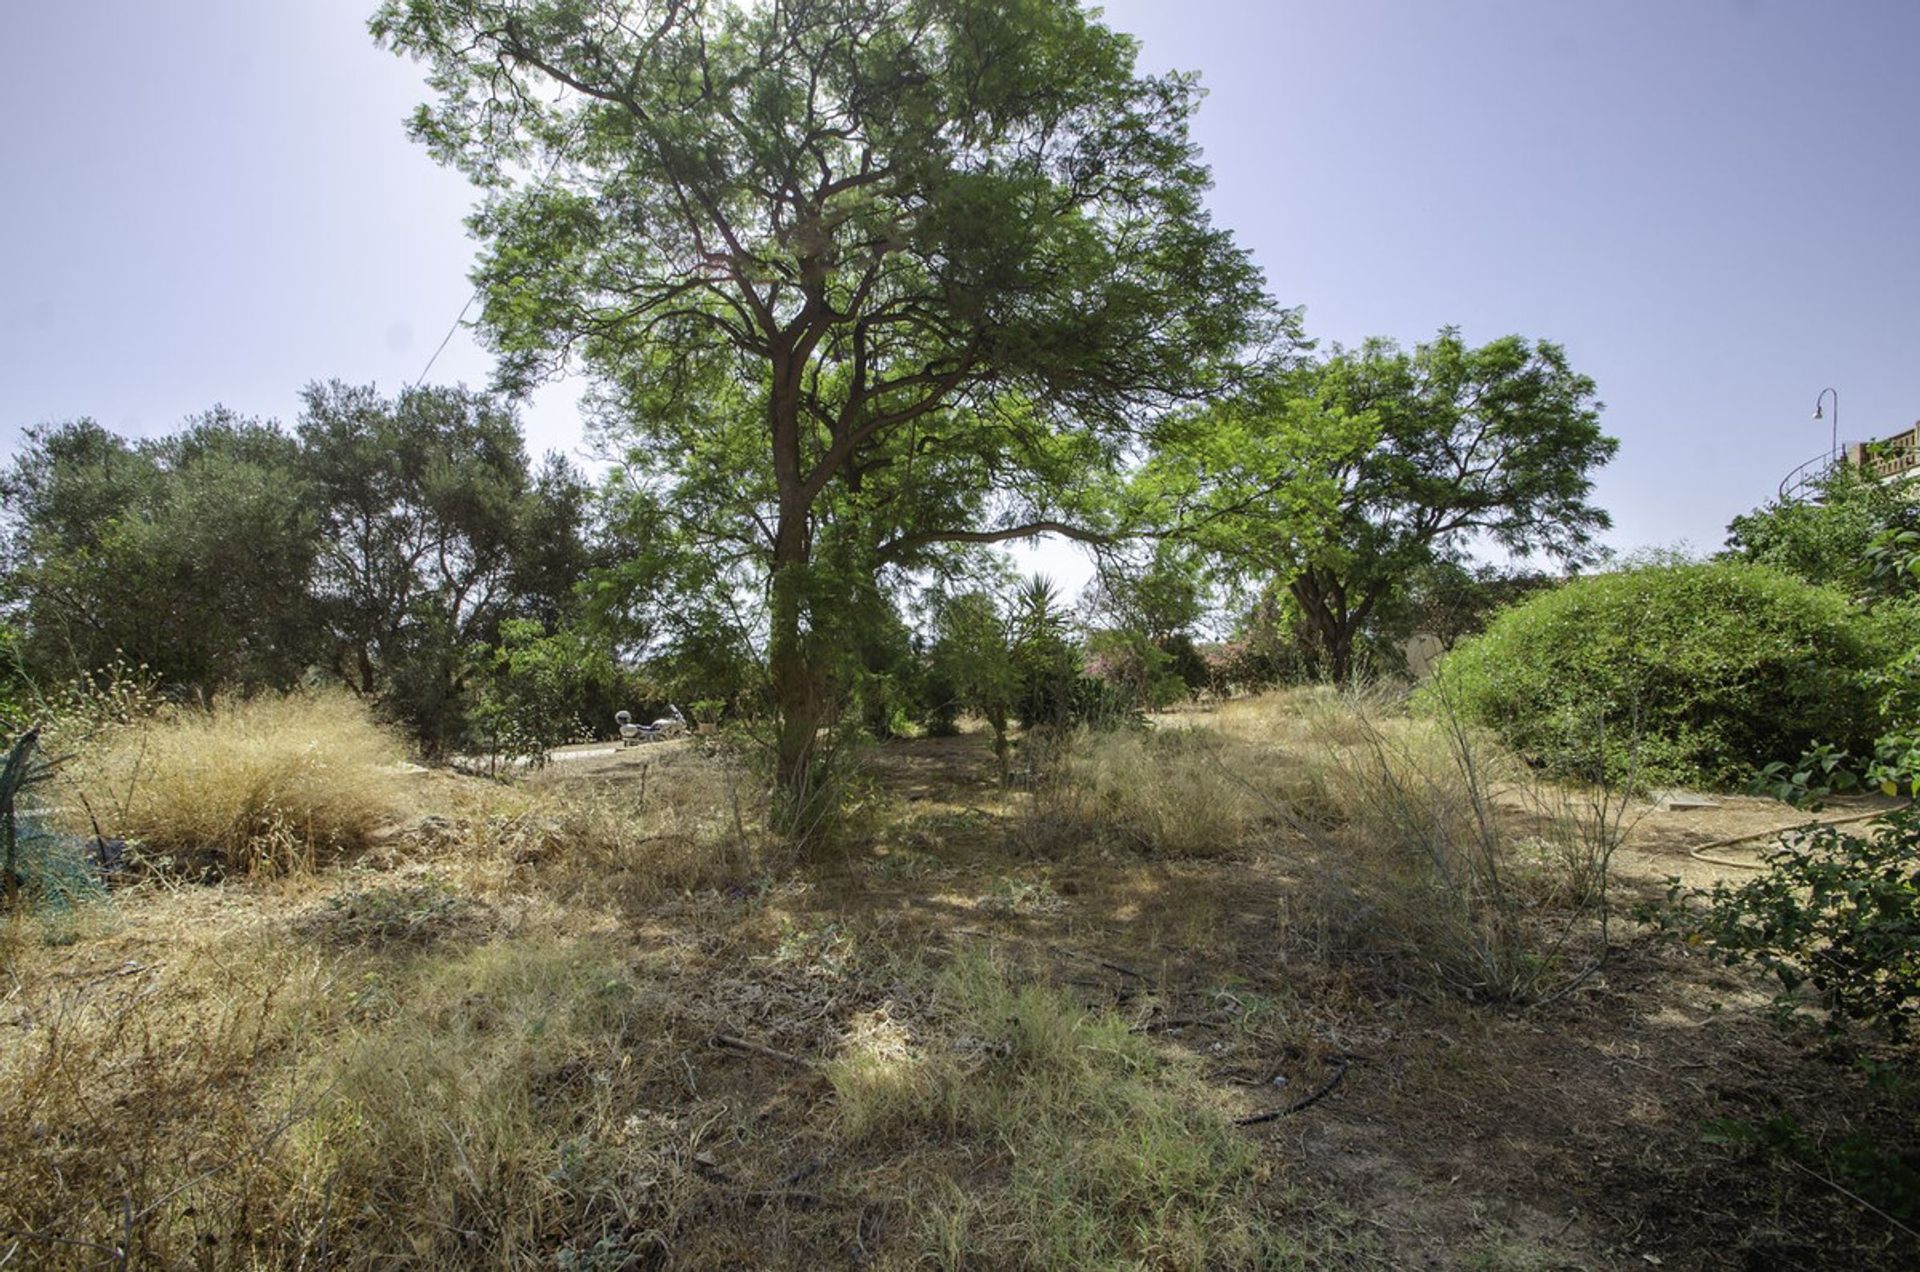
[671, 725]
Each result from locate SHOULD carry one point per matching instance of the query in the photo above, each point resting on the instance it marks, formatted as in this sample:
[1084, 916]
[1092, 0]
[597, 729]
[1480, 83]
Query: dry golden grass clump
[682, 826]
[270, 783]
[1425, 842]
[1416, 840]
[141, 1103]
[254, 1102]
[1182, 793]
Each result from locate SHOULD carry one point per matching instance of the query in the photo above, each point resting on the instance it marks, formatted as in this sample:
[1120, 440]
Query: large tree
[433, 530]
[812, 246]
[1346, 478]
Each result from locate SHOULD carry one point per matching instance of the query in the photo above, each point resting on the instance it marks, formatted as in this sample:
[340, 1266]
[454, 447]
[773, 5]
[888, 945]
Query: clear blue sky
[1714, 205]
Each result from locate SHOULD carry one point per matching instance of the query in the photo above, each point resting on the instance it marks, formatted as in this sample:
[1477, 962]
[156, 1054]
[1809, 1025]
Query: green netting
[55, 871]
[51, 870]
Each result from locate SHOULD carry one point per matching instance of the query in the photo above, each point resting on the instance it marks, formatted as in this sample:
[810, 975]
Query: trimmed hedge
[1692, 674]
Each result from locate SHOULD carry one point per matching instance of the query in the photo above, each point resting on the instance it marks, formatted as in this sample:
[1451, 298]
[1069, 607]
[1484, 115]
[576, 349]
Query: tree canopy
[190, 553]
[382, 541]
[1341, 479]
[909, 268]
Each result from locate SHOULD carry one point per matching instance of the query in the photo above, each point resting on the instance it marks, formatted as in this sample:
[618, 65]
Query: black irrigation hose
[1699, 854]
[1319, 1093]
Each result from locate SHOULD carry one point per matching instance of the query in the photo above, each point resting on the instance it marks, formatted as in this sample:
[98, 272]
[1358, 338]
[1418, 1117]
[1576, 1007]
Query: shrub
[1835, 911]
[273, 782]
[540, 690]
[1714, 669]
[1431, 852]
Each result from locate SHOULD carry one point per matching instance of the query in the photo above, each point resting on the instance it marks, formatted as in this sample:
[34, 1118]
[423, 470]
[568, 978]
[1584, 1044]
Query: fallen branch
[1853, 1197]
[1319, 1093]
[731, 1043]
[1176, 1022]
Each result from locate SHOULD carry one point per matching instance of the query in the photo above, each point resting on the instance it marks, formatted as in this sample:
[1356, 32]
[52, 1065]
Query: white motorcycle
[671, 725]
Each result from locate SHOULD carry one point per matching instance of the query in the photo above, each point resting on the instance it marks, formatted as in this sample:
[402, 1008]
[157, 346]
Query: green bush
[1694, 674]
[1835, 911]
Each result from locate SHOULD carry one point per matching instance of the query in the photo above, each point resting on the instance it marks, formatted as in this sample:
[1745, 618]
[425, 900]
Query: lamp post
[1818, 414]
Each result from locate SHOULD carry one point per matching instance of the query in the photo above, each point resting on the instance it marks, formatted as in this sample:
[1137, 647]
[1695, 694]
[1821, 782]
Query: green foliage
[1856, 536]
[1821, 771]
[1861, 536]
[1452, 601]
[13, 677]
[434, 530]
[540, 689]
[970, 665]
[901, 274]
[1345, 479]
[1046, 663]
[1707, 672]
[1149, 673]
[1142, 613]
[190, 553]
[1836, 911]
[1877, 1171]
[381, 543]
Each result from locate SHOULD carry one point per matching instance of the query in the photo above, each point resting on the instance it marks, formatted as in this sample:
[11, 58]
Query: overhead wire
[545, 179]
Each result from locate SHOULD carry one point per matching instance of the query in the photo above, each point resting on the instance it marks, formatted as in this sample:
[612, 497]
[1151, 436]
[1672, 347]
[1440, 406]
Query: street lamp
[1818, 414]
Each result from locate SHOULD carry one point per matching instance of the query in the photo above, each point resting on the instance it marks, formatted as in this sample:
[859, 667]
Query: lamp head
[1819, 412]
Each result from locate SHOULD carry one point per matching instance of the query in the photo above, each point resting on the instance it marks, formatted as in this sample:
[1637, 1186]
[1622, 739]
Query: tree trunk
[796, 696]
[1339, 642]
[1331, 624]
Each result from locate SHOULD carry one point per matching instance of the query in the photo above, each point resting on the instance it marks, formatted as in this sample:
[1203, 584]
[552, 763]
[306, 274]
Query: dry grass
[1428, 845]
[1181, 793]
[258, 1102]
[485, 1110]
[685, 825]
[266, 784]
[141, 1103]
[1416, 841]
[1098, 1152]
[489, 1041]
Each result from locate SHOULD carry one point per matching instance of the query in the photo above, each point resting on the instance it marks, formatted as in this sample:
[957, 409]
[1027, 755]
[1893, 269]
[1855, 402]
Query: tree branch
[895, 548]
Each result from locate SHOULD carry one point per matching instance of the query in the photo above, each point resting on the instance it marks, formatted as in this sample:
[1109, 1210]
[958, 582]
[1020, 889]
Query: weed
[1107, 1156]
[416, 913]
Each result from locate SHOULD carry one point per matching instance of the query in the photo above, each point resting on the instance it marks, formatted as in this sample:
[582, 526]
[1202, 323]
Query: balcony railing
[1887, 459]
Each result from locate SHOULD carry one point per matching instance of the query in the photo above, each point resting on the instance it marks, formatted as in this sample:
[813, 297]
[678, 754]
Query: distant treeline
[379, 543]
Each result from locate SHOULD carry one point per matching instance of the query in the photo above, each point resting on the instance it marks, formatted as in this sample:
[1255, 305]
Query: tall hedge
[1690, 674]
